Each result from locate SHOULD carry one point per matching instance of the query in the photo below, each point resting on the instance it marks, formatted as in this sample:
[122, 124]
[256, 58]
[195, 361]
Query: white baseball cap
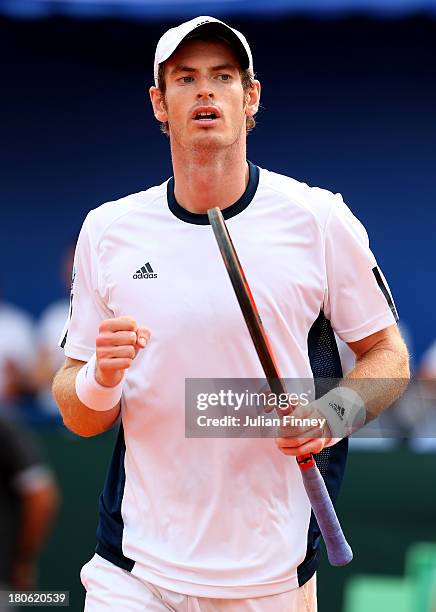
[172, 38]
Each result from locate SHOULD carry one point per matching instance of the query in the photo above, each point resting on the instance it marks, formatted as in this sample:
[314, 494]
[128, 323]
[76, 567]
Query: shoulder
[106, 215]
[318, 202]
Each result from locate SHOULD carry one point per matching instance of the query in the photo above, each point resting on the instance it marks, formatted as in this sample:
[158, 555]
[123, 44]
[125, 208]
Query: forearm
[380, 376]
[76, 416]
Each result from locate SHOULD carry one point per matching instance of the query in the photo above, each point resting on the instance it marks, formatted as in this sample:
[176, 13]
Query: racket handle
[338, 550]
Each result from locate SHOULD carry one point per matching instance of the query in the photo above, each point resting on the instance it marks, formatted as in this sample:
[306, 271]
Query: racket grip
[338, 550]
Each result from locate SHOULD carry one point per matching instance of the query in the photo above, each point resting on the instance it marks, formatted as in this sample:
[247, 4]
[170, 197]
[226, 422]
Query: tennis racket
[338, 549]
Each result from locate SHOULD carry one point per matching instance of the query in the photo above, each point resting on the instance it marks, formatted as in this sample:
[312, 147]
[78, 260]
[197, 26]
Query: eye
[224, 77]
[186, 79]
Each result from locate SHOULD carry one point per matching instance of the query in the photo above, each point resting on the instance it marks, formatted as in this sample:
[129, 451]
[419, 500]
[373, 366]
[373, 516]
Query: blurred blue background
[348, 103]
[157, 9]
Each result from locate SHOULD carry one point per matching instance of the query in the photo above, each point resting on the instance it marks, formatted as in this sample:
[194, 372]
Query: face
[205, 104]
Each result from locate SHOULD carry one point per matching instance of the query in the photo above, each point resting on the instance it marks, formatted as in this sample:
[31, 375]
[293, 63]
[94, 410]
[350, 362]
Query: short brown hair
[246, 79]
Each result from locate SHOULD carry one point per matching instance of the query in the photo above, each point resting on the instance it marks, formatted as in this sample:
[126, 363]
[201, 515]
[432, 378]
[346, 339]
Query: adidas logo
[145, 272]
[340, 410]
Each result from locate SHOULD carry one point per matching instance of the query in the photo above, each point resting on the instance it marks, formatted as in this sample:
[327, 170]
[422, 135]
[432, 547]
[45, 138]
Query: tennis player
[212, 524]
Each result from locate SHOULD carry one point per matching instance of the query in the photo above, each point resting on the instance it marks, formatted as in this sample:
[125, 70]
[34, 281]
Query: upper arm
[72, 363]
[388, 338]
[69, 364]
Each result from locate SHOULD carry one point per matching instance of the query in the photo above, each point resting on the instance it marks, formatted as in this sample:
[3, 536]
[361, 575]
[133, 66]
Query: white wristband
[93, 394]
[344, 410]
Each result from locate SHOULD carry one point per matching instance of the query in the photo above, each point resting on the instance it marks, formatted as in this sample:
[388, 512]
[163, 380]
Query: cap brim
[222, 31]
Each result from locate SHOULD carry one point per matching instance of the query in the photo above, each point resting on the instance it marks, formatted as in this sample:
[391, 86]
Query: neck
[204, 179]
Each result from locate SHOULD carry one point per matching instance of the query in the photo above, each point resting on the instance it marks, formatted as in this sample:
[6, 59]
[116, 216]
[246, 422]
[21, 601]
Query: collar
[202, 218]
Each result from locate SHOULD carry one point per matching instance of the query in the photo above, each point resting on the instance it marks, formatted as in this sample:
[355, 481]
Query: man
[29, 499]
[211, 524]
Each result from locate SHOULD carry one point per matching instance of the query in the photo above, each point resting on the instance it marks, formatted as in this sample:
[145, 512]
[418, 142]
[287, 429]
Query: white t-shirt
[214, 517]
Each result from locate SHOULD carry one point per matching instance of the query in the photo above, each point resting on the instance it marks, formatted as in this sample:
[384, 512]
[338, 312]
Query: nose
[205, 91]
[205, 94]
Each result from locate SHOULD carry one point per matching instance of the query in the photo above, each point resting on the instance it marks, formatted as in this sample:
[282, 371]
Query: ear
[253, 99]
[158, 103]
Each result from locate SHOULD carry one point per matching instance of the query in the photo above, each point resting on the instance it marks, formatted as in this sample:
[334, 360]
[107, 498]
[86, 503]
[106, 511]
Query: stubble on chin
[207, 143]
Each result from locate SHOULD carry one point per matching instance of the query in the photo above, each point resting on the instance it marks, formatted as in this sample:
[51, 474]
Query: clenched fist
[118, 342]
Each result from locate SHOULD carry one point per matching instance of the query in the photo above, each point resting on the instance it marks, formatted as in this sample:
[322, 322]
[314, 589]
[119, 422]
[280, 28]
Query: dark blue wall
[348, 105]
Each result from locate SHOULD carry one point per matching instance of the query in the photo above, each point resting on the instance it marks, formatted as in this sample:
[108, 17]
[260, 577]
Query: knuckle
[128, 322]
[313, 446]
[108, 365]
[116, 364]
[104, 325]
[102, 363]
[104, 352]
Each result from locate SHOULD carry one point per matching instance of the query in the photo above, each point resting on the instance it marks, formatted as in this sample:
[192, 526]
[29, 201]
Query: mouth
[206, 116]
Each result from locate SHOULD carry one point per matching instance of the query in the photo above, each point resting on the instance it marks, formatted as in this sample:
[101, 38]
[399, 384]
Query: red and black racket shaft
[338, 550]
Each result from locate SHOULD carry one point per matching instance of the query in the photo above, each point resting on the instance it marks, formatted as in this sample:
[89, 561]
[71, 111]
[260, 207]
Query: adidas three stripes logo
[146, 271]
